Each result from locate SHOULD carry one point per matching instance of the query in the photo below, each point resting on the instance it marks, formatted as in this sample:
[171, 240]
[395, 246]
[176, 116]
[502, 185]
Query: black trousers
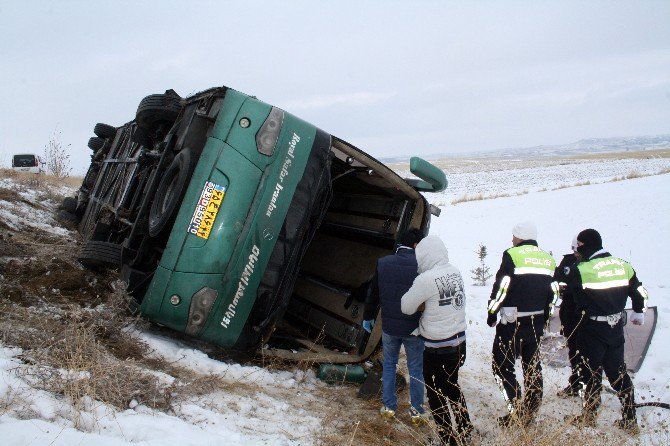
[520, 339]
[440, 370]
[570, 321]
[602, 348]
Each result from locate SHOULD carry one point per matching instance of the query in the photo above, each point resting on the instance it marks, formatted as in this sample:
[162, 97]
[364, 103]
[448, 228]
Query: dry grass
[634, 154]
[637, 174]
[353, 421]
[70, 324]
[79, 366]
[577, 184]
[465, 197]
[88, 356]
[75, 330]
[37, 180]
[460, 164]
[82, 352]
[480, 196]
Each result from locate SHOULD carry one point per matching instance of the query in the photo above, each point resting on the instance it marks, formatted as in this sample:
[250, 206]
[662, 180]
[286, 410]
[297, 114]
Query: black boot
[506, 420]
[628, 425]
[568, 392]
[520, 418]
[587, 418]
[628, 421]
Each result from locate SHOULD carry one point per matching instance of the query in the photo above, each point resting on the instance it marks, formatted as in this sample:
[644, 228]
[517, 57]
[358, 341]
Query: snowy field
[632, 216]
[519, 176]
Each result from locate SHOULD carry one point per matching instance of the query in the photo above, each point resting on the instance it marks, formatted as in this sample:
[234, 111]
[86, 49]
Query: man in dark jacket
[394, 275]
[570, 319]
[523, 293]
[601, 284]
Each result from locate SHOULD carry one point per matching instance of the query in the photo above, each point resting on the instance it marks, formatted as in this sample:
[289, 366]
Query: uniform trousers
[514, 340]
[570, 320]
[602, 348]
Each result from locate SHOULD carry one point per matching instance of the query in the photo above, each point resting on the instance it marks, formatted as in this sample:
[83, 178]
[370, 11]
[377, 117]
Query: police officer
[570, 319]
[601, 284]
[522, 294]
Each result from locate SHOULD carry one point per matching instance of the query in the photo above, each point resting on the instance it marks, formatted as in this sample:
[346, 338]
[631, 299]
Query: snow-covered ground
[632, 218]
[519, 176]
[631, 215]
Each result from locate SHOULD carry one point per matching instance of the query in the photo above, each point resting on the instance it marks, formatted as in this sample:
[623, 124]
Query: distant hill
[583, 146]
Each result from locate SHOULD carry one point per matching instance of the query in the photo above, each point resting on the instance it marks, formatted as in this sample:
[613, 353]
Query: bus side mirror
[433, 178]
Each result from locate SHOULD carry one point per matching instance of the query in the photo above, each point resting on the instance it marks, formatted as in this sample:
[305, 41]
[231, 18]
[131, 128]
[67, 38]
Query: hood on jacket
[431, 252]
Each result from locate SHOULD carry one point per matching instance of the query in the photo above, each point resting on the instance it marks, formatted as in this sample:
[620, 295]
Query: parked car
[28, 162]
[238, 223]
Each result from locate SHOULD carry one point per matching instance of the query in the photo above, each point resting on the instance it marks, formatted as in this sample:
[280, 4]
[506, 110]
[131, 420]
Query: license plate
[205, 212]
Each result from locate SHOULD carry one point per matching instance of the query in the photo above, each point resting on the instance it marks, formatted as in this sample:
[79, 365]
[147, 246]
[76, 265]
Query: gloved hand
[367, 325]
[491, 320]
[637, 318]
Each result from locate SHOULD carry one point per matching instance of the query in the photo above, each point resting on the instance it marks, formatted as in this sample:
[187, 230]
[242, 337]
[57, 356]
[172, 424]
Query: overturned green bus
[238, 223]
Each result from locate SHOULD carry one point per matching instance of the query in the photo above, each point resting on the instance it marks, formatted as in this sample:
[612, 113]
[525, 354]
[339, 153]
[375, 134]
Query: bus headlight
[266, 138]
[201, 304]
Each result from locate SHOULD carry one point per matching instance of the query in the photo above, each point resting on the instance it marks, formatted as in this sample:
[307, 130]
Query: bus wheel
[104, 131]
[96, 143]
[170, 192]
[158, 108]
[97, 253]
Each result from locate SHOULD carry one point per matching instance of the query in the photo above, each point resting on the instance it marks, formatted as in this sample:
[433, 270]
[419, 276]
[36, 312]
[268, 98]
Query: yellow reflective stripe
[501, 386]
[643, 291]
[532, 270]
[645, 295]
[605, 285]
[500, 296]
[555, 287]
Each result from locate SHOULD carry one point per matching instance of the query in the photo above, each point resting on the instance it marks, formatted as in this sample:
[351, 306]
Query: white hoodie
[440, 285]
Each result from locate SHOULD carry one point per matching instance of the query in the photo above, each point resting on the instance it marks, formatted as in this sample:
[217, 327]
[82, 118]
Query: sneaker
[568, 392]
[387, 413]
[585, 419]
[628, 426]
[418, 419]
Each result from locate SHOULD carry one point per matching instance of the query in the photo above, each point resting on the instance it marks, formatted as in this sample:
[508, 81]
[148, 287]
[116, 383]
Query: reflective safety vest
[529, 259]
[533, 272]
[604, 273]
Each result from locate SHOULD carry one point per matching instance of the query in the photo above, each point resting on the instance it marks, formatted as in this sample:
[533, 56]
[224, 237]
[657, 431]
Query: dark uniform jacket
[606, 289]
[527, 292]
[568, 307]
[393, 278]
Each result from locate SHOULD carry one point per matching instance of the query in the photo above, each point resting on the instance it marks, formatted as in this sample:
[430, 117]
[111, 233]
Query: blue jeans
[414, 350]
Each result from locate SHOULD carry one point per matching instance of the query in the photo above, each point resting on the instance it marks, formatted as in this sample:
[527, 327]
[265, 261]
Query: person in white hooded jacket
[438, 291]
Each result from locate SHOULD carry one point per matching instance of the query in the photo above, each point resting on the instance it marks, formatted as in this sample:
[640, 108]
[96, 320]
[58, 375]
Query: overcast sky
[391, 77]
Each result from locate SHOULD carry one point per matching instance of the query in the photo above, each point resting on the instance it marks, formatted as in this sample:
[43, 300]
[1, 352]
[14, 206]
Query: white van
[28, 162]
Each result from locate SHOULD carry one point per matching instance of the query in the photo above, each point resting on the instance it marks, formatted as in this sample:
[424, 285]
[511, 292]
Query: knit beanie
[525, 230]
[591, 242]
